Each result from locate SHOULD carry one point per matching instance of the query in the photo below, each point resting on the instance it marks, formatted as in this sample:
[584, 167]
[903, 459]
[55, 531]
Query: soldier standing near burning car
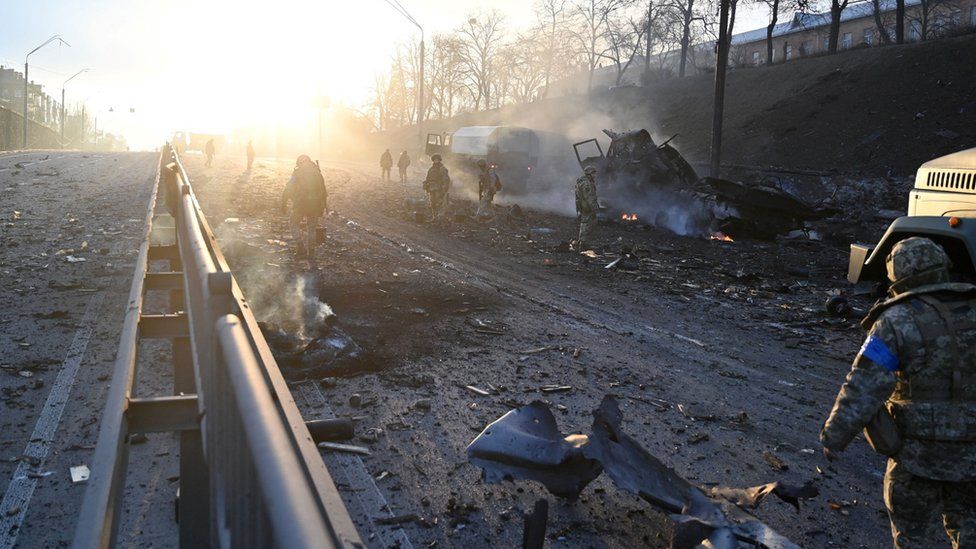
[437, 184]
[309, 198]
[488, 184]
[912, 388]
[587, 206]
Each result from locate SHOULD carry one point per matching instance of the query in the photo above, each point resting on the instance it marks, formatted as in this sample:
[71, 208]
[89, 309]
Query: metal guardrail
[250, 473]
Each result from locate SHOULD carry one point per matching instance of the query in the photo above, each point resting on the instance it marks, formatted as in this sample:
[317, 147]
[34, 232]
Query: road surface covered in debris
[70, 227]
[720, 353]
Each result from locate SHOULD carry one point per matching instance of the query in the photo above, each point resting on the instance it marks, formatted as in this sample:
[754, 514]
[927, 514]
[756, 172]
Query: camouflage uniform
[488, 185]
[437, 184]
[919, 361]
[309, 197]
[586, 206]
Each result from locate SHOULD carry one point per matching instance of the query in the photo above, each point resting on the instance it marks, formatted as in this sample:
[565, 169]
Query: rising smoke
[552, 186]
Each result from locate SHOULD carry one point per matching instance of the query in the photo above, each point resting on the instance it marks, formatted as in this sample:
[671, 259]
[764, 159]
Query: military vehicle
[511, 150]
[942, 206]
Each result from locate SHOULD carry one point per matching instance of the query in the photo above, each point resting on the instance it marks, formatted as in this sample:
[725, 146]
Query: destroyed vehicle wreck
[526, 443]
[638, 177]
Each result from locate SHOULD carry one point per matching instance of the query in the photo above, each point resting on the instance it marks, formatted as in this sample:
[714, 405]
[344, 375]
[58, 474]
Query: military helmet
[589, 170]
[303, 159]
[435, 158]
[482, 163]
[916, 261]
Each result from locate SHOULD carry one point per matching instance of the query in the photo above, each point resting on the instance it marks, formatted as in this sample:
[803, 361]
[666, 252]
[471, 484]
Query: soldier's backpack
[310, 188]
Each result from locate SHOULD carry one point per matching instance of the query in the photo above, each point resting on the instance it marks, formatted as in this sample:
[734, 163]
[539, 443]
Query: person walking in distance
[587, 205]
[402, 164]
[309, 199]
[912, 388]
[210, 150]
[386, 164]
[437, 184]
[250, 155]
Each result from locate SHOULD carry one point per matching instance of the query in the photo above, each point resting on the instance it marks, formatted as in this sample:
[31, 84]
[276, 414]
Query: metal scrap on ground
[526, 443]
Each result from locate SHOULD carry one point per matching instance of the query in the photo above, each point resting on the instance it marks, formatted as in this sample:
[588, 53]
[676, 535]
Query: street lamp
[395, 4]
[27, 81]
[62, 101]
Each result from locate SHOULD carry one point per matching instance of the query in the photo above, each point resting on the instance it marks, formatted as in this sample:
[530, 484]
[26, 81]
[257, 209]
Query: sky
[209, 66]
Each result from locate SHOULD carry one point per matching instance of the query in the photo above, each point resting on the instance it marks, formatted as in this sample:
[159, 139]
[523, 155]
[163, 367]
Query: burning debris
[526, 443]
[656, 182]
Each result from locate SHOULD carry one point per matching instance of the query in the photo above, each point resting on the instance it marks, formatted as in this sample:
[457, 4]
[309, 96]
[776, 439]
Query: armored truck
[942, 206]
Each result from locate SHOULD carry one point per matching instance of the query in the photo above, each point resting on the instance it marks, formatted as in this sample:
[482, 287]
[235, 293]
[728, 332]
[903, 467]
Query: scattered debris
[73, 259]
[555, 388]
[355, 400]
[477, 391]
[526, 443]
[80, 474]
[837, 306]
[534, 531]
[774, 461]
[347, 448]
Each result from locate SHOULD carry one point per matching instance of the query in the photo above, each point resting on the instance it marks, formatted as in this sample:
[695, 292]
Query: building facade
[42, 107]
[808, 34]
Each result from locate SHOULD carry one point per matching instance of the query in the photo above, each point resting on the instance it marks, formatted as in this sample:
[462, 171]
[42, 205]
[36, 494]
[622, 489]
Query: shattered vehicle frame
[636, 170]
[526, 443]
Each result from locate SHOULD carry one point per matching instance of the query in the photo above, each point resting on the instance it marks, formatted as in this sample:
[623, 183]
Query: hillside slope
[871, 111]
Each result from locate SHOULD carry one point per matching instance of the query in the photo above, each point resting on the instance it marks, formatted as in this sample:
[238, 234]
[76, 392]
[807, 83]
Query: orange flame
[720, 236]
[628, 217]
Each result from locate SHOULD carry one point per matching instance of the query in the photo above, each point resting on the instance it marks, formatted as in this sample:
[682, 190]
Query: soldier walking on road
[402, 164]
[210, 150]
[386, 163]
[250, 155]
[309, 198]
[913, 385]
[437, 184]
[587, 205]
[488, 185]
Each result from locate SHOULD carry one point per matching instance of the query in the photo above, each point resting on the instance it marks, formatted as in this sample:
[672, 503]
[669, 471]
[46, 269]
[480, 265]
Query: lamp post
[62, 102]
[27, 80]
[420, 88]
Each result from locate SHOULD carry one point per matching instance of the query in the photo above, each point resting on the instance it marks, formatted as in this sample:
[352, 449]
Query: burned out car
[637, 177]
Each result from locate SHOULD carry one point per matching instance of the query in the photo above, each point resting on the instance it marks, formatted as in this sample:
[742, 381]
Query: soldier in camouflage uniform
[437, 184]
[586, 206]
[919, 362]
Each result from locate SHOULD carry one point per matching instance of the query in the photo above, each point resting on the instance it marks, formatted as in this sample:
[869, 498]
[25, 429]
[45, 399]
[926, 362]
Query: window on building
[18, 93]
[869, 36]
[789, 52]
[847, 41]
[756, 59]
[807, 48]
[914, 31]
[972, 16]
[826, 43]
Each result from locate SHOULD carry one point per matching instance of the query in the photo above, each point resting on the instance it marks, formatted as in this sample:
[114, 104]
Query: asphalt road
[70, 224]
[722, 360]
[725, 365]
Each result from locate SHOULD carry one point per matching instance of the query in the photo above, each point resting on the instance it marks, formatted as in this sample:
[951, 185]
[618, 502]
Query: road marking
[16, 500]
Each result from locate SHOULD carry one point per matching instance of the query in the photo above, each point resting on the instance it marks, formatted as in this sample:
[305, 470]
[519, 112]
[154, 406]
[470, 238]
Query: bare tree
[654, 30]
[623, 38]
[775, 8]
[688, 15]
[482, 35]
[836, 8]
[551, 15]
[880, 23]
[933, 17]
[593, 19]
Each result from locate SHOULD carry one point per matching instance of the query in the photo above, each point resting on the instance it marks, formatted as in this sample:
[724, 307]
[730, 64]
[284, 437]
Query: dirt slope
[866, 111]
